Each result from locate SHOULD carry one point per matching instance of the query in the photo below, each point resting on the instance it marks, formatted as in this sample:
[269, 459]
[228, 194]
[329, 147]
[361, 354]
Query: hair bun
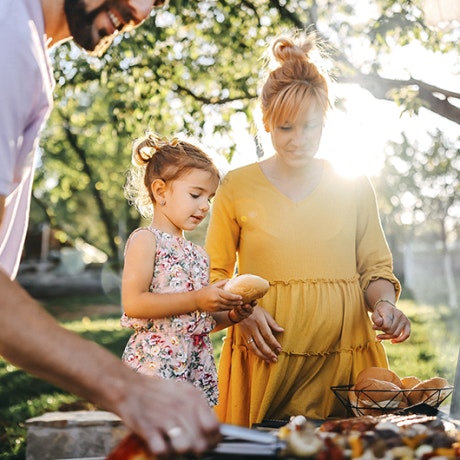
[141, 156]
[285, 49]
[146, 147]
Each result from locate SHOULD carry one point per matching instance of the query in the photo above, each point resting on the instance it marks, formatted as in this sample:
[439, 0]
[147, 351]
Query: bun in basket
[429, 391]
[379, 373]
[410, 382]
[250, 287]
[372, 395]
[379, 391]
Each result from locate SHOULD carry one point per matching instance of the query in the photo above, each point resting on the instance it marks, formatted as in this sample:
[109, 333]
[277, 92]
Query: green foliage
[419, 187]
[188, 69]
[433, 346]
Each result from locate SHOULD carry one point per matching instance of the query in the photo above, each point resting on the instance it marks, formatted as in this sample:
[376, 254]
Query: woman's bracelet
[230, 318]
[384, 300]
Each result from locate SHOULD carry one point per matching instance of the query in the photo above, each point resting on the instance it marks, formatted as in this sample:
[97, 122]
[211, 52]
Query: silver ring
[174, 432]
[251, 340]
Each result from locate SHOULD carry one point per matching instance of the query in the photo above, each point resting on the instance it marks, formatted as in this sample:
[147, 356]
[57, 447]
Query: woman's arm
[373, 256]
[375, 267]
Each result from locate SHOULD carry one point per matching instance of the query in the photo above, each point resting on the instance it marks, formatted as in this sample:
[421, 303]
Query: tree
[190, 69]
[420, 191]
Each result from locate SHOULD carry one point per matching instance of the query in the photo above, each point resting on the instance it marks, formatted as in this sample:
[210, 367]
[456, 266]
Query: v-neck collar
[286, 197]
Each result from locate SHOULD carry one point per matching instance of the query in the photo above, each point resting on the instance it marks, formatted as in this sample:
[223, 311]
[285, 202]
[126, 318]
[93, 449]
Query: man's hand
[172, 417]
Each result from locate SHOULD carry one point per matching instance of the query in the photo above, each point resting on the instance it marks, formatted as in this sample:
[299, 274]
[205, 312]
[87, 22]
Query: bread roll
[372, 394]
[428, 391]
[379, 373]
[250, 287]
[410, 381]
[353, 400]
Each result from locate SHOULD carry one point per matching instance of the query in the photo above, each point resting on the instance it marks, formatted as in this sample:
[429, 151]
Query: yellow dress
[319, 255]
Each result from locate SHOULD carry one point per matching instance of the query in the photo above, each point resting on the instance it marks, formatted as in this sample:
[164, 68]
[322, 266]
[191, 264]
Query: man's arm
[33, 340]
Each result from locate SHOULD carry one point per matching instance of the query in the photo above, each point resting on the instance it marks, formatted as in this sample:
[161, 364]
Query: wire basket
[369, 402]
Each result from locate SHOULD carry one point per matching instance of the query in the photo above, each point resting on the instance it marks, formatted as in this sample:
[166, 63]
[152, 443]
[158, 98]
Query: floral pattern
[176, 347]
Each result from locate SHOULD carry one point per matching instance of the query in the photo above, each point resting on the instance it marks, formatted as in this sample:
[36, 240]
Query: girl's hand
[213, 298]
[258, 331]
[238, 314]
[392, 322]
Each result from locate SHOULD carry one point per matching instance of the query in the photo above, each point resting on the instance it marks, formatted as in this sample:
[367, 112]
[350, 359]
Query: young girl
[165, 293]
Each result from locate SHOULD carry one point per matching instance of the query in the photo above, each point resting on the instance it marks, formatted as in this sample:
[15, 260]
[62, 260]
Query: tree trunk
[452, 299]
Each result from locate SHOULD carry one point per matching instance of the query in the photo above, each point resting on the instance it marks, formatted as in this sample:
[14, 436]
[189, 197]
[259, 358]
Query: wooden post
[455, 404]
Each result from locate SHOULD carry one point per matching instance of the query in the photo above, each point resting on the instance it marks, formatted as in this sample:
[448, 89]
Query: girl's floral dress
[176, 347]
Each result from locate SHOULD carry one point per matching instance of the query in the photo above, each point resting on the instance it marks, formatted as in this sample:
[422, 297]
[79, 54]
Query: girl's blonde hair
[296, 82]
[155, 157]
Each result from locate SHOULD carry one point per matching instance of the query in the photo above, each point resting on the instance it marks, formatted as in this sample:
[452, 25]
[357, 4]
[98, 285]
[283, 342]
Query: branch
[105, 215]
[286, 14]
[212, 100]
[381, 88]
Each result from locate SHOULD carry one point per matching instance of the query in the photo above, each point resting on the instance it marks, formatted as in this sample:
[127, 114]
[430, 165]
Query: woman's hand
[391, 321]
[258, 330]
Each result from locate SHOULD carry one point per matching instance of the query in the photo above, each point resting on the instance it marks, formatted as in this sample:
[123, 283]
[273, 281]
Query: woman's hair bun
[285, 49]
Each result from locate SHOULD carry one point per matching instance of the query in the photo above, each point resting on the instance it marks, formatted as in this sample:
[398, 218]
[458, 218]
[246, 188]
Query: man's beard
[81, 21]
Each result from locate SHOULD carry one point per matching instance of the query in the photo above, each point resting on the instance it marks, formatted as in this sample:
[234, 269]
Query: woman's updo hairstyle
[155, 157]
[295, 82]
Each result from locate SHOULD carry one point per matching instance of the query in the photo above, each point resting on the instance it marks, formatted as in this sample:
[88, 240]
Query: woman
[317, 238]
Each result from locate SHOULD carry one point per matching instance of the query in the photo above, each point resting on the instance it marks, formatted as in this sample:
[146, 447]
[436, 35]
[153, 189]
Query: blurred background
[194, 69]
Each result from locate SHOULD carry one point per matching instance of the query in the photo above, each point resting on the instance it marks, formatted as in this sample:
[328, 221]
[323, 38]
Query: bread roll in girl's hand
[250, 287]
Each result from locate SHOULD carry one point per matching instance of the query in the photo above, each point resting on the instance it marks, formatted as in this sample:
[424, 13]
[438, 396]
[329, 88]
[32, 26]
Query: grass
[433, 346]
[432, 350]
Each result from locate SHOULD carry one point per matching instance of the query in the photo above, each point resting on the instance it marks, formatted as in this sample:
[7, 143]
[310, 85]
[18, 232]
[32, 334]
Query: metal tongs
[248, 441]
[248, 434]
[426, 409]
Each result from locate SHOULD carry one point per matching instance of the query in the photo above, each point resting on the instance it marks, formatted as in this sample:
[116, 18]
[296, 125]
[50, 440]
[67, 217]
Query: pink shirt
[26, 88]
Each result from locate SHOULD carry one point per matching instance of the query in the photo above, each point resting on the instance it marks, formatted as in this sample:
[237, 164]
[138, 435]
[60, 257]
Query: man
[171, 417]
